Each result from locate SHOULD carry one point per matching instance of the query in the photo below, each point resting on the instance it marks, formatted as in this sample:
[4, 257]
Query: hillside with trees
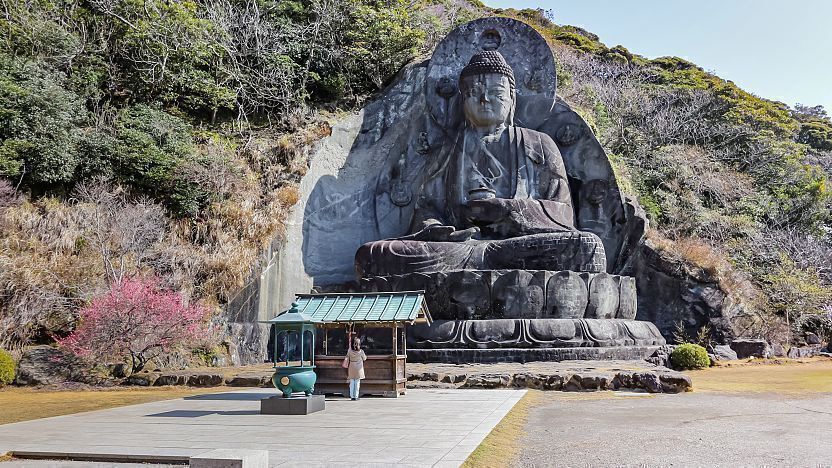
[164, 139]
[736, 186]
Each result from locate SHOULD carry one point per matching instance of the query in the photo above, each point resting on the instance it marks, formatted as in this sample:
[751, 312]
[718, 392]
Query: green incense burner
[292, 379]
[294, 352]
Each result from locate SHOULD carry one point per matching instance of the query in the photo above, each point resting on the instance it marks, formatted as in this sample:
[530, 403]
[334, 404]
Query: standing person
[355, 371]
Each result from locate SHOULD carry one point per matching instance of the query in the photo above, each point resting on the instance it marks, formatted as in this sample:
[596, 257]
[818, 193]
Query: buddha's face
[486, 99]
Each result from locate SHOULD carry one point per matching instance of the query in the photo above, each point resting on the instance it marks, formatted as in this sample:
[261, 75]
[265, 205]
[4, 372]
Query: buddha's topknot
[488, 61]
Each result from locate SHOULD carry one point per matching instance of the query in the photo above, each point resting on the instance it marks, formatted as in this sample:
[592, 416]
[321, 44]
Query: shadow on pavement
[231, 396]
[197, 414]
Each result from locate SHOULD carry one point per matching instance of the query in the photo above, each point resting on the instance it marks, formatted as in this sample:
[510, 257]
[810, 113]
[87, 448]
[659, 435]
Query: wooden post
[395, 341]
[326, 341]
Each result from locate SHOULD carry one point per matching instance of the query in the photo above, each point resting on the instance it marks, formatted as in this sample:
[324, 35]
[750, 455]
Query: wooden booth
[379, 319]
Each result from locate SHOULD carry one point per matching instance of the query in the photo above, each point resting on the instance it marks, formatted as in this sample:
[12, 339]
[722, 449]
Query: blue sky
[780, 50]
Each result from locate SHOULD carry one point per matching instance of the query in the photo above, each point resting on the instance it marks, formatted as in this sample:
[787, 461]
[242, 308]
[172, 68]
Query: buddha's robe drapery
[522, 166]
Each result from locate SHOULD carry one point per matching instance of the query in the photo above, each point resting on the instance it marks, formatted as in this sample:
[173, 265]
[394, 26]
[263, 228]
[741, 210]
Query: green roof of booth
[390, 307]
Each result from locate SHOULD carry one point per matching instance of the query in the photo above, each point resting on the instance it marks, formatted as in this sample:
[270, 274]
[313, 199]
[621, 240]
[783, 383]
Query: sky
[779, 50]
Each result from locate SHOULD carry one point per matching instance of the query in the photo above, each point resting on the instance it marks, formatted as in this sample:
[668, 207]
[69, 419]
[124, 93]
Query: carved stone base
[515, 294]
[533, 333]
[524, 315]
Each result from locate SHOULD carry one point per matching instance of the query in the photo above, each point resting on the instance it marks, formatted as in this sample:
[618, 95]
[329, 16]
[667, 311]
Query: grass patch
[24, 404]
[503, 442]
[782, 376]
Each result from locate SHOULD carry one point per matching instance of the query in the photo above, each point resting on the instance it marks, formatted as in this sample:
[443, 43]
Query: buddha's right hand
[435, 232]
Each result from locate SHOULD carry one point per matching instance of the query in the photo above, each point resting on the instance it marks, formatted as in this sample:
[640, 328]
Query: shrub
[690, 356]
[136, 321]
[7, 368]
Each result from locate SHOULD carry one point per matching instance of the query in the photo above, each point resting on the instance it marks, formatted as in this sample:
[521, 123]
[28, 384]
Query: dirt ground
[791, 377]
[23, 404]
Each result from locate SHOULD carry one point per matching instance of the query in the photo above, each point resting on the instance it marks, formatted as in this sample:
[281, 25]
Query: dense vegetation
[164, 138]
[735, 185]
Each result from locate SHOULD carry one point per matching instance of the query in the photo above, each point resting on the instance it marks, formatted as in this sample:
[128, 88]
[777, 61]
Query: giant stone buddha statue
[505, 210]
[500, 198]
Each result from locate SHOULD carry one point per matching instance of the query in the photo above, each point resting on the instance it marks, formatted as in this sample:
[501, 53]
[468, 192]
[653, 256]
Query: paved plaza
[430, 427]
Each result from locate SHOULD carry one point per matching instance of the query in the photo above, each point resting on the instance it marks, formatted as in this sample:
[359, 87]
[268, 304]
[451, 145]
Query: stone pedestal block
[516, 294]
[231, 458]
[292, 405]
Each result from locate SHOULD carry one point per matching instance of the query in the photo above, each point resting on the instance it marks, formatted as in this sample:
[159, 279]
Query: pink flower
[136, 320]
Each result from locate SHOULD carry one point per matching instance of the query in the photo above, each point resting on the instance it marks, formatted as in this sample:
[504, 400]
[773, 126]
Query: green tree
[383, 36]
[150, 148]
[40, 124]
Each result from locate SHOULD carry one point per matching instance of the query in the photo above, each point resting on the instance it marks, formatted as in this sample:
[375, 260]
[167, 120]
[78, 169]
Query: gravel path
[692, 429]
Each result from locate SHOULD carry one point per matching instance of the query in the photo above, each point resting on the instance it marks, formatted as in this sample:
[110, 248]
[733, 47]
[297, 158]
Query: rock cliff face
[669, 293]
[360, 188]
[334, 215]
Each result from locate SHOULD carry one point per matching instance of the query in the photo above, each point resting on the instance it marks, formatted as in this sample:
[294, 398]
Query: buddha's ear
[510, 120]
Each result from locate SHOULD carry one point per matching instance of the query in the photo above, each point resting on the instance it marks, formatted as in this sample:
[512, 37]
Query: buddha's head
[488, 92]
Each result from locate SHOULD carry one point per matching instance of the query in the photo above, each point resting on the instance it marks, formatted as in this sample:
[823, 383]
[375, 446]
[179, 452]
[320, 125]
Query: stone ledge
[203, 378]
[231, 458]
[100, 457]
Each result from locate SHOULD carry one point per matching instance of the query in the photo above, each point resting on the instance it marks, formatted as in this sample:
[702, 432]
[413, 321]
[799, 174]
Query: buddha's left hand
[489, 210]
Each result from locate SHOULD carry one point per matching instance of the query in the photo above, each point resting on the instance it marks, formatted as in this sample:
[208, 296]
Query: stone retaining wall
[652, 380]
[520, 355]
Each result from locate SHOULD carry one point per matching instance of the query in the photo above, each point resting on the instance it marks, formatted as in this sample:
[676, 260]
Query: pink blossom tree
[136, 320]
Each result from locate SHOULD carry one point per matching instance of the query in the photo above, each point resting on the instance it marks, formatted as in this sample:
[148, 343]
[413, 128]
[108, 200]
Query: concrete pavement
[433, 427]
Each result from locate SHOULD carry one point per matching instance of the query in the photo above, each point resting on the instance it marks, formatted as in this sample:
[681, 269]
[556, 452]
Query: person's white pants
[355, 384]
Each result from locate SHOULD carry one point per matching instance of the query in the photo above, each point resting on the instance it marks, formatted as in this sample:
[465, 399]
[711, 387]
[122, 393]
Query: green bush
[690, 356]
[7, 368]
